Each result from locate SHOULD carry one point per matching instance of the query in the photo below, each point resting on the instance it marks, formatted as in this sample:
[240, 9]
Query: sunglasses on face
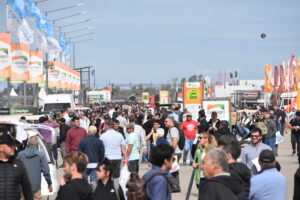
[200, 138]
[254, 136]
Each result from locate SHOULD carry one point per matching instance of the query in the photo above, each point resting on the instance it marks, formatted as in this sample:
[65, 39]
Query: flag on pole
[276, 78]
[19, 25]
[268, 81]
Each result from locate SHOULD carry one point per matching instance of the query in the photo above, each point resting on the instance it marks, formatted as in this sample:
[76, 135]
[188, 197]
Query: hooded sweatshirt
[76, 189]
[241, 171]
[220, 188]
[35, 163]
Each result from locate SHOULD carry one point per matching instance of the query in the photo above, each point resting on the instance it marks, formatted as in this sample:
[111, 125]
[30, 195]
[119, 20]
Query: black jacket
[13, 178]
[297, 185]
[77, 189]
[220, 188]
[241, 171]
[210, 124]
[63, 129]
[107, 192]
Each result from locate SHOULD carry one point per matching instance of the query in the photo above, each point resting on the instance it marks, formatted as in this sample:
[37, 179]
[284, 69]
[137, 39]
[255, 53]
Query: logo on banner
[193, 94]
[4, 52]
[20, 60]
[218, 108]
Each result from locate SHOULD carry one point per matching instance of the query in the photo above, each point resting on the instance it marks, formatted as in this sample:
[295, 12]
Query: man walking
[63, 129]
[84, 121]
[94, 149]
[295, 136]
[114, 145]
[74, 136]
[133, 153]
[269, 183]
[173, 138]
[219, 184]
[72, 185]
[35, 163]
[251, 151]
[157, 187]
[13, 175]
[189, 128]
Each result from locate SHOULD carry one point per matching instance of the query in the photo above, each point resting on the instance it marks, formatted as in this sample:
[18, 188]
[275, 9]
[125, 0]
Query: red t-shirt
[74, 136]
[189, 129]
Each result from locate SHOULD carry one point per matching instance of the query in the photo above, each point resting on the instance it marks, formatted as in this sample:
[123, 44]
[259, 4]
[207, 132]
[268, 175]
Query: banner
[221, 107]
[5, 56]
[20, 62]
[163, 97]
[36, 67]
[145, 97]
[276, 78]
[268, 80]
[192, 96]
[15, 23]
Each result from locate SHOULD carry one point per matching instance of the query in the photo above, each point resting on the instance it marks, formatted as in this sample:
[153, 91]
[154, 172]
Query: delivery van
[55, 102]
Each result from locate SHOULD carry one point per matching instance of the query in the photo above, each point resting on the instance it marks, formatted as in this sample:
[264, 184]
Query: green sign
[18, 110]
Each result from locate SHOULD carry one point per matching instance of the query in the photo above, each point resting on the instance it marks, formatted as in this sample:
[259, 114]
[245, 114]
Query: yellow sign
[163, 97]
[192, 92]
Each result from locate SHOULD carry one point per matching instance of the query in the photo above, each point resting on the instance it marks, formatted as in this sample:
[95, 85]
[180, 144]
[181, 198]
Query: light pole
[69, 16]
[74, 64]
[82, 29]
[64, 8]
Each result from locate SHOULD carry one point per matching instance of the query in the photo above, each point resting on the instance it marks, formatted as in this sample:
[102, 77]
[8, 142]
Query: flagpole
[8, 78]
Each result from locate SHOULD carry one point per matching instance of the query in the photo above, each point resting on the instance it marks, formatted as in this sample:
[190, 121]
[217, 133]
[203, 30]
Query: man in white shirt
[84, 122]
[122, 120]
[114, 145]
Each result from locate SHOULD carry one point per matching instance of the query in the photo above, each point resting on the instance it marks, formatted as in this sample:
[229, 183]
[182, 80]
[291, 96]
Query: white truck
[288, 100]
[55, 102]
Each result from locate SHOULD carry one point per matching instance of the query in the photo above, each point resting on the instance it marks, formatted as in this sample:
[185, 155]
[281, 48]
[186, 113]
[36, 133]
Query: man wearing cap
[269, 183]
[94, 149]
[35, 163]
[189, 128]
[13, 174]
[133, 154]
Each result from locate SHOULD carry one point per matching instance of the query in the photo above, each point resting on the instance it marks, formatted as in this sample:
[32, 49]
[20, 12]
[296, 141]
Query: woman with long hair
[206, 142]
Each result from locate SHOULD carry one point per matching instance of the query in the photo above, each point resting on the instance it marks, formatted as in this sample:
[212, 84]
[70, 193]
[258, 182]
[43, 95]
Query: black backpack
[181, 140]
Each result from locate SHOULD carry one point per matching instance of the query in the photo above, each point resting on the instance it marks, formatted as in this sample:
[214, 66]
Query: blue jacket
[157, 188]
[35, 163]
[93, 148]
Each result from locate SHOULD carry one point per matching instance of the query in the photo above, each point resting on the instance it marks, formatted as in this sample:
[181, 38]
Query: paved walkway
[288, 164]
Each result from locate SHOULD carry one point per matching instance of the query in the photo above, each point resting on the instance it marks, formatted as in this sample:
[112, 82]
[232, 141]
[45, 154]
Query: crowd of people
[97, 143]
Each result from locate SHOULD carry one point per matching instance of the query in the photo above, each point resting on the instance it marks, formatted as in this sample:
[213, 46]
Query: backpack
[137, 186]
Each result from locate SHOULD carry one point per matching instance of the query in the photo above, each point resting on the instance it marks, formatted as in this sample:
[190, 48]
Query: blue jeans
[281, 127]
[243, 129]
[188, 148]
[271, 143]
[90, 173]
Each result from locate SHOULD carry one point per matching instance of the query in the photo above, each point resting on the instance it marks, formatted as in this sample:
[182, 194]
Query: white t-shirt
[112, 141]
[122, 121]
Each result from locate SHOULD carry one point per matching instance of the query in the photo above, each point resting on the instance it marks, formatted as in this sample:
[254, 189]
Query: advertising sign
[20, 62]
[163, 97]
[192, 96]
[5, 56]
[36, 67]
[221, 107]
[145, 97]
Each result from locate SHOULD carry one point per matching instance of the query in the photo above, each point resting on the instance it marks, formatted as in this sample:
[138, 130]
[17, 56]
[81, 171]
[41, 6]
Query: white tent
[13, 93]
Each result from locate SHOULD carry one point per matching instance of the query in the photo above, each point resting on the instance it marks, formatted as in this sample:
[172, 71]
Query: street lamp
[64, 8]
[82, 29]
[77, 36]
[69, 16]
[80, 41]
[81, 22]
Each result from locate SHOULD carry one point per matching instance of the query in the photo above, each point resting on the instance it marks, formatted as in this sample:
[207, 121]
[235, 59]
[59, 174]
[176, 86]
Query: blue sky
[156, 40]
